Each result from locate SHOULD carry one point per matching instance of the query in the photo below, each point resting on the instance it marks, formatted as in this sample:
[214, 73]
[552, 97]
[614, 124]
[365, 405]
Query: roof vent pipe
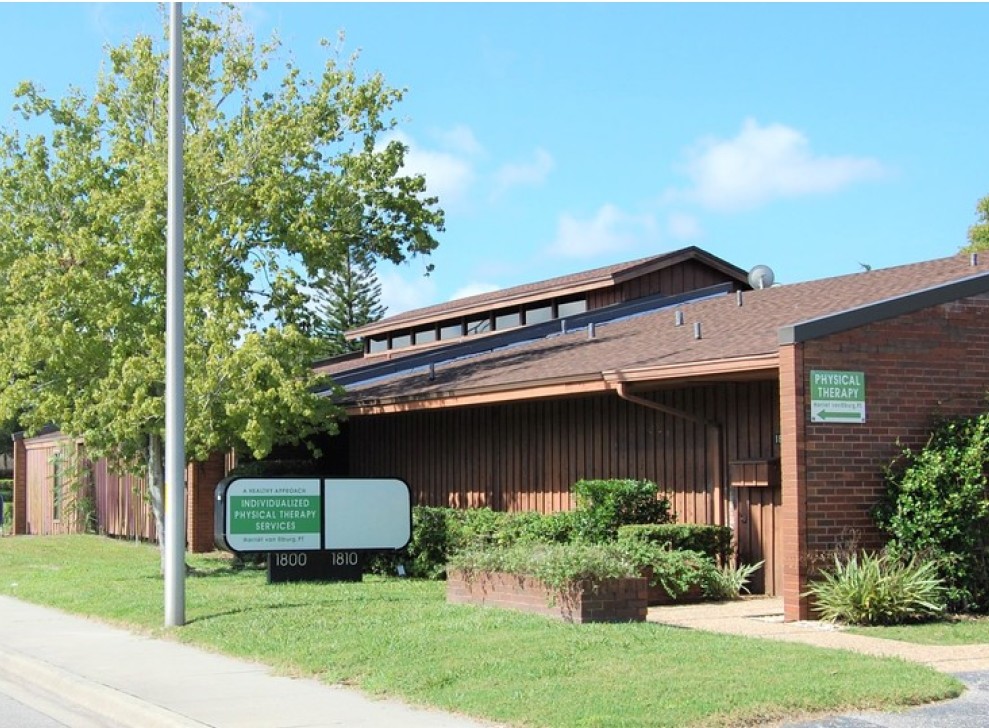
[697, 329]
[975, 259]
[432, 371]
[563, 326]
[591, 331]
[678, 318]
[738, 297]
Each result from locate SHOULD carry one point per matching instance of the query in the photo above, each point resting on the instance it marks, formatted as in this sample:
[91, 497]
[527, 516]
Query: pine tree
[350, 298]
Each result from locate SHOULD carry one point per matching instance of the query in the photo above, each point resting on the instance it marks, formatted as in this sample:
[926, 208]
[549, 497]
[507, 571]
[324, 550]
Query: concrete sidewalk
[117, 678]
[763, 617]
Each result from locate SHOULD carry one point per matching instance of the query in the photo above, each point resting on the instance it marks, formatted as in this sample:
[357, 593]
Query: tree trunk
[156, 490]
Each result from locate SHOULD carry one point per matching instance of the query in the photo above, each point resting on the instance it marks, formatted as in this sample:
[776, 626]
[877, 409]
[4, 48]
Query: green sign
[837, 396]
[275, 515]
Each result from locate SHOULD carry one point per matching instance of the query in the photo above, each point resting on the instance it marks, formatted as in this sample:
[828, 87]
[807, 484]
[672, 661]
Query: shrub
[438, 533]
[559, 527]
[713, 541]
[876, 589]
[936, 506]
[604, 505]
[728, 581]
[427, 552]
[675, 571]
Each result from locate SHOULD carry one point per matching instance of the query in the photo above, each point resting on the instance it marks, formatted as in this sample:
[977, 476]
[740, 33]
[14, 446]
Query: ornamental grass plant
[879, 589]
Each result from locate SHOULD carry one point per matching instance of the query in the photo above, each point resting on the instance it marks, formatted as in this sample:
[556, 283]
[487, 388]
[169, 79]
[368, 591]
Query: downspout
[713, 431]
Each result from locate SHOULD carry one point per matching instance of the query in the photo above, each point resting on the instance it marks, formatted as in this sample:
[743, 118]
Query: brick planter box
[657, 596]
[611, 600]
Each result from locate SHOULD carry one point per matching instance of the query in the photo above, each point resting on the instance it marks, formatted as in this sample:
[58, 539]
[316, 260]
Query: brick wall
[917, 367]
[19, 527]
[202, 478]
[614, 600]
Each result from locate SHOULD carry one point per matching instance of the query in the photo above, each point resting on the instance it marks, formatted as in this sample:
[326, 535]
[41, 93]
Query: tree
[283, 175]
[978, 234]
[351, 297]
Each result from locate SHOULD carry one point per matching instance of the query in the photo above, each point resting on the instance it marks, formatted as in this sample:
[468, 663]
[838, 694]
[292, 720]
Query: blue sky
[561, 137]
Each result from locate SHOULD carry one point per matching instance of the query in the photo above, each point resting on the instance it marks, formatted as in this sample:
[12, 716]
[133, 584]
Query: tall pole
[175, 341]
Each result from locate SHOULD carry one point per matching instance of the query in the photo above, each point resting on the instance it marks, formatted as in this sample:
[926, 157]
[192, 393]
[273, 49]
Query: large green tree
[978, 234]
[284, 172]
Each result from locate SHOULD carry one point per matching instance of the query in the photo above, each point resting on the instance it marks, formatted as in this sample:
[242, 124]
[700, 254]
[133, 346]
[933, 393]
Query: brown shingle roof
[560, 286]
[649, 340]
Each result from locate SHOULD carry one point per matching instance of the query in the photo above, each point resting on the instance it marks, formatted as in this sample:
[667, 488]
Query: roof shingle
[728, 331]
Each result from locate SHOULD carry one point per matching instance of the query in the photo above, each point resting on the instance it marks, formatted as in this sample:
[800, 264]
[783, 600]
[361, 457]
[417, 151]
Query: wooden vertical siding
[122, 504]
[41, 455]
[527, 455]
[687, 276]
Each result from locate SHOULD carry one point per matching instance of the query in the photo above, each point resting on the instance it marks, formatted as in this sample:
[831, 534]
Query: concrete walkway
[97, 676]
[763, 617]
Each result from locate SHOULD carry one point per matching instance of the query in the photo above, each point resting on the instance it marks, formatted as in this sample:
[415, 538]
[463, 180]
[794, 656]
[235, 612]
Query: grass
[400, 638]
[958, 631]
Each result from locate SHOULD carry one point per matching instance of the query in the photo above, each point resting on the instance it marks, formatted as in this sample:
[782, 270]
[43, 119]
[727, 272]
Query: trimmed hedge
[603, 506]
[712, 541]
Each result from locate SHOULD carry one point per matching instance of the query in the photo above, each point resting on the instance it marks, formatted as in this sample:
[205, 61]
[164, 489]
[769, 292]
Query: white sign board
[366, 514]
[258, 514]
[837, 396]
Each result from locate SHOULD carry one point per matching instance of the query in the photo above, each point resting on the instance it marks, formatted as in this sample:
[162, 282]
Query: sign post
[837, 397]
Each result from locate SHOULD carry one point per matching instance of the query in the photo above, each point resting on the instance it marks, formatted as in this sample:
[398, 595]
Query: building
[675, 369]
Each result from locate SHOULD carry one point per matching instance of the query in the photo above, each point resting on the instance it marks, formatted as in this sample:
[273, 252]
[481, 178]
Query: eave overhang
[854, 318]
[762, 366]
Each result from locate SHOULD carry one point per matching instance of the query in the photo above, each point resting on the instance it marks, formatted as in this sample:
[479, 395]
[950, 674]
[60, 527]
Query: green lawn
[961, 631]
[400, 638]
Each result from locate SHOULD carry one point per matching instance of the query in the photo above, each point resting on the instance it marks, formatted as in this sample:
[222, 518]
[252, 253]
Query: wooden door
[758, 494]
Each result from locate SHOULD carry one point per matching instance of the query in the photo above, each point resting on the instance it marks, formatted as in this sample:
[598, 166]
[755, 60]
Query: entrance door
[758, 496]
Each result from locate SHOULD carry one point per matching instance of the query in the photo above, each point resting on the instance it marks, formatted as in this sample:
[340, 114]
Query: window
[571, 308]
[376, 344]
[401, 341]
[478, 325]
[507, 320]
[538, 314]
[424, 336]
[451, 331]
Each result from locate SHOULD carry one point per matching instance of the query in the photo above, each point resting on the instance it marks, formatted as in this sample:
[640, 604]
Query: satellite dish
[761, 276]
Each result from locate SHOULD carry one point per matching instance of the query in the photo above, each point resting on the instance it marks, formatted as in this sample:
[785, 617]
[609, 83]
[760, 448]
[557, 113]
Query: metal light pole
[175, 341]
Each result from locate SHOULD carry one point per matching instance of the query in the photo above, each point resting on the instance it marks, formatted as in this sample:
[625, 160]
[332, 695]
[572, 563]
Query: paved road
[971, 710]
[25, 705]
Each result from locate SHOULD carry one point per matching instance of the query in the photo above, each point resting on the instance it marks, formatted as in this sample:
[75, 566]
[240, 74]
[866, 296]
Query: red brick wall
[917, 366]
[19, 526]
[202, 480]
[614, 600]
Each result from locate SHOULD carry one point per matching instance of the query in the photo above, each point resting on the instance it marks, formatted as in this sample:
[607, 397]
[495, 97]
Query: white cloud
[609, 230]
[763, 163]
[449, 174]
[682, 226]
[401, 293]
[473, 289]
[460, 139]
[529, 174]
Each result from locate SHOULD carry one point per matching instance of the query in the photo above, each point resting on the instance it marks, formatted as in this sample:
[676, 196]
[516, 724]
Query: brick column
[19, 526]
[793, 421]
[202, 480]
